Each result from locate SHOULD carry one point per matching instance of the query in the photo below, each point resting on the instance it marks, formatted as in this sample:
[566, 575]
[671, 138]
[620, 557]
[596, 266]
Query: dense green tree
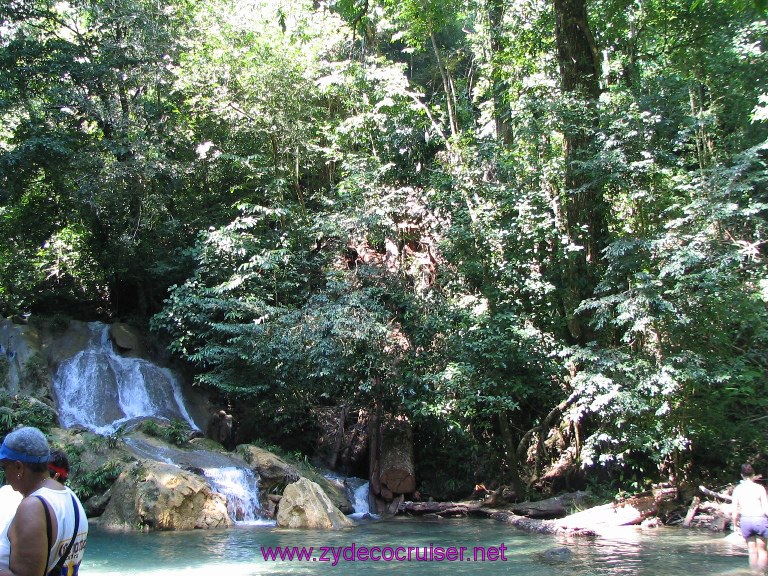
[90, 147]
[535, 229]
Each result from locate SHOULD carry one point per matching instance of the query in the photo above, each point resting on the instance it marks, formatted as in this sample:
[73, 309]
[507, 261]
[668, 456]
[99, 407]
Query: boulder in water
[272, 470]
[556, 555]
[157, 496]
[305, 505]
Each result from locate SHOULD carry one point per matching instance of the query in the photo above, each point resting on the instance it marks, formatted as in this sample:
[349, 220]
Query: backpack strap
[48, 528]
[56, 570]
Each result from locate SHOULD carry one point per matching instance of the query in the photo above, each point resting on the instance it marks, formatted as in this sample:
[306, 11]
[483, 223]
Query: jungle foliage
[536, 229]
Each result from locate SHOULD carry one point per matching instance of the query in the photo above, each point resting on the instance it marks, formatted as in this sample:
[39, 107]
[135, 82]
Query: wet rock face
[275, 473]
[272, 470]
[127, 340]
[156, 496]
[23, 365]
[305, 505]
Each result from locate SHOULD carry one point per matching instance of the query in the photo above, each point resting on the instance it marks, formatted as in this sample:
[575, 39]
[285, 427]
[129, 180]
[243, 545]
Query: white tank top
[9, 501]
[60, 504]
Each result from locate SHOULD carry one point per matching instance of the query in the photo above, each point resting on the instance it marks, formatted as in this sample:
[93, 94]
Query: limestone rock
[23, 368]
[305, 505]
[275, 473]
[62, 342]
[95, 505]
[126, 339]
[336, 491]
[272, 470]
[157, 496]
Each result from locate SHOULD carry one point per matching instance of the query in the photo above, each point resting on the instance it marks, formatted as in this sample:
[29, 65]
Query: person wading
[750, 514]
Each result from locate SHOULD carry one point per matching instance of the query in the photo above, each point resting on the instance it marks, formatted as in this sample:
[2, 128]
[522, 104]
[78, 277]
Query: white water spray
[101, 390]
[361, 500]
[241, 489]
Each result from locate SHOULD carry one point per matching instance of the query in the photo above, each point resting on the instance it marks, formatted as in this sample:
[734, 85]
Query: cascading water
[360, 501]
[225, 473]
[101, 390]
[357, 492]
[241, 487]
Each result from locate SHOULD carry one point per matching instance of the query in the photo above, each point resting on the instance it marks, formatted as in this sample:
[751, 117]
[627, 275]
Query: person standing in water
[49, 531]
[750, 514]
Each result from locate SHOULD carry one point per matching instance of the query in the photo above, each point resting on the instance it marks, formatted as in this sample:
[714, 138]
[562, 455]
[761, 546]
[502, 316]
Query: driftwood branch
[439, 508]
[540, 526]
[692, 511]
[712, 494]
[591, 521]
[443, 509]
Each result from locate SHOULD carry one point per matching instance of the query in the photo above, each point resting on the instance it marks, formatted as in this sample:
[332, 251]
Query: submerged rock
[560, 554]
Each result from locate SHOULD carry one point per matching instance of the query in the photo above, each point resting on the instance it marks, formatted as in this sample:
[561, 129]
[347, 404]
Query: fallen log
[439, 508]
[601, 518]
[542, 512]
[540, 526]
[443, 509]
[550, 508]
[712, 494]
[691, 511]
[589, 522]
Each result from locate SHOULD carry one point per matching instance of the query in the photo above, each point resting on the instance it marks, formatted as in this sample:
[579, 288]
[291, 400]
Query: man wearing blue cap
[50, 529]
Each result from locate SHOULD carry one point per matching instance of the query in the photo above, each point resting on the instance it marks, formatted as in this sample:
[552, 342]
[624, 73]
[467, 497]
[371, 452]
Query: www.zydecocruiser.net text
[361, 553]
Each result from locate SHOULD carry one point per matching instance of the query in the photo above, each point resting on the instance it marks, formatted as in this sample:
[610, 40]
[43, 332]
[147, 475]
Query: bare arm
[764, 502]
[29, 540]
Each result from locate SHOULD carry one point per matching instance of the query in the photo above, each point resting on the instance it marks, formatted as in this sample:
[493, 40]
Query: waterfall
[241, 488]
[360, 501]
[357, 491]
[225, 473]
[101, 390]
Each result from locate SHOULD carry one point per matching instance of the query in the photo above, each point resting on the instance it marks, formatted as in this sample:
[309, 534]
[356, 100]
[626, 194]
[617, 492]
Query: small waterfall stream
[225, 473]
[241, 488]
[358, 494]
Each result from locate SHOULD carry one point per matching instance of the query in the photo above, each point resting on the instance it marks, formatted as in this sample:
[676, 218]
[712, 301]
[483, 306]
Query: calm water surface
[237, 551]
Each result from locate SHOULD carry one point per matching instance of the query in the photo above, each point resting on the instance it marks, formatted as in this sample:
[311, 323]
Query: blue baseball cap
[29, 445]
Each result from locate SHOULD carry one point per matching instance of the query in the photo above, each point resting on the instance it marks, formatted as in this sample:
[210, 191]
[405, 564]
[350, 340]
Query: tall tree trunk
[585, 206]
[510, 449]
[449, 93]
[498, 85]
[374, 466]
[704, 145]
